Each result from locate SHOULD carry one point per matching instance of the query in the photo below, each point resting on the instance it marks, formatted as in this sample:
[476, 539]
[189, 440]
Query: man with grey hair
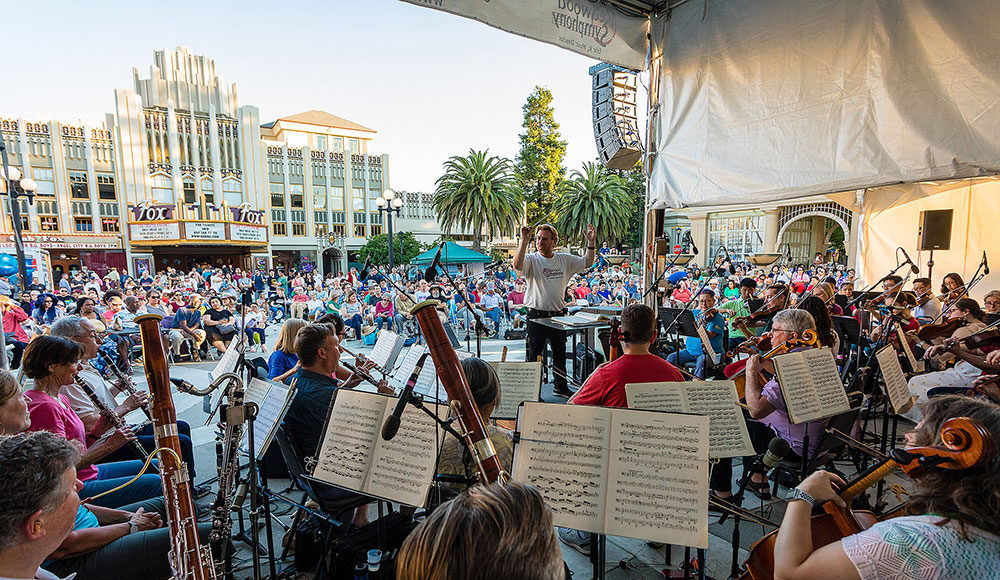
[767, 408]
[38, 500]
[78, 329]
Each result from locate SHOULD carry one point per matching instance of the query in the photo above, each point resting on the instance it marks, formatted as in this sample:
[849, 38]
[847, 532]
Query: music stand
[679, 318]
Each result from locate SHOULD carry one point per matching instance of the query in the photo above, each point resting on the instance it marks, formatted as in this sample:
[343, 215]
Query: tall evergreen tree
[539, 167]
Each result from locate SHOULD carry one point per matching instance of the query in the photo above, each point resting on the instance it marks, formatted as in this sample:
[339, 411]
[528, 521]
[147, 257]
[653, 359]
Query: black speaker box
[934, 232]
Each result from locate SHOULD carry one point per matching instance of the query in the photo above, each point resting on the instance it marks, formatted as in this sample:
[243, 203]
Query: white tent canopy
[762, 100]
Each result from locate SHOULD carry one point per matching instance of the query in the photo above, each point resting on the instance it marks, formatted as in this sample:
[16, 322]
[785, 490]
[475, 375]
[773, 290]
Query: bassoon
[189, 560]
[456, 385]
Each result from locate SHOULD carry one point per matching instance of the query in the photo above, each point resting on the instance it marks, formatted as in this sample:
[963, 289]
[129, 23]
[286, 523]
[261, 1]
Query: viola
[966, 445]
[944, 329]
[809, 338]
[615, 337]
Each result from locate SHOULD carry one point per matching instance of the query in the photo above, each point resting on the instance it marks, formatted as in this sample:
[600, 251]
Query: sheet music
[426, 380]
[403, 468]
[658, 477]
[519, 382]
[227, 363]
[810, 384]
[727, 433]
[386, 349]
[895, 382]
[346, 451]
[916, 365]
[576, 484]
[256, 391]
[271, 411]
[706, 344]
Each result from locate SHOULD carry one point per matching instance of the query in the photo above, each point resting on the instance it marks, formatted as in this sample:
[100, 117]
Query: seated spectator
[283, 362]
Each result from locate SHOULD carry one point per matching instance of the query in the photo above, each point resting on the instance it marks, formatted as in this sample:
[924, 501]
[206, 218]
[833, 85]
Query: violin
[944, 329]
[809, 338]
[753, 344]
[967, 445]
[615, 337]
[707, 315]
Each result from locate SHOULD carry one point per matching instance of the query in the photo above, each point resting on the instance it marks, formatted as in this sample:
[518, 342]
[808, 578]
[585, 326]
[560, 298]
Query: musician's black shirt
[307, 413]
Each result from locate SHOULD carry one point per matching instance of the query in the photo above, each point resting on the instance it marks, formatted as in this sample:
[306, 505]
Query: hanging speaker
[934, 231]
[616, 127]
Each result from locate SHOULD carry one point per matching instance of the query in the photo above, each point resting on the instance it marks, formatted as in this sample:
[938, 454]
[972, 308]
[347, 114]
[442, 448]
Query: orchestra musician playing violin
[991, 303]
[967, 318]
[952, 529]
[952, 287]
[712, 320]
[606, 386]
[928, 307]
[825, 292]
[768, 411]
[739, 308]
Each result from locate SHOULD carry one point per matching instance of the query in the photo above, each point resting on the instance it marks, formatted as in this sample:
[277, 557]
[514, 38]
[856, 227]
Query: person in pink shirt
[384, 312]
[53, 362]
[13, 316]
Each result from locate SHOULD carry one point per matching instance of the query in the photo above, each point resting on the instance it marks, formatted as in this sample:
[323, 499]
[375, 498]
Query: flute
[109, 415]
[361, 373]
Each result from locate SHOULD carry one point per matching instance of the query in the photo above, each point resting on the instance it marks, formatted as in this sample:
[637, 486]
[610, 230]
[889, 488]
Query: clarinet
[109, 414]
[449, 369]
[189, 560]
[124, 383]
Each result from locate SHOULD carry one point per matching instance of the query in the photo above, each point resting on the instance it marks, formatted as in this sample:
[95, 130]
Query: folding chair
[827, 447]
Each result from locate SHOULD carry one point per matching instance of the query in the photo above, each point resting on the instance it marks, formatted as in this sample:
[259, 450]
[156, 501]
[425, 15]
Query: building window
[110, 226]
[232, 191]
[338, 230]
[298, 229]
[738, 232]
[78, 185]
[208, 190]
[190, 197]
[106, 187]
[162, 189]
[359, 231]
[358, 195]
[338, 144]
[279, 229]
[354, 145]
[295, 195]
[321, 142]
[376, 229]
[337, 198]
[48, 223]
[83, 225]
[319, 197]
[46, 184]
[278, 195]
[320, 230]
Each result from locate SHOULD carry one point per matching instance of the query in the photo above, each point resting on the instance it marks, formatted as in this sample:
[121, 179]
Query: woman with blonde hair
[14, 416]
[491, 532]
[283, 362]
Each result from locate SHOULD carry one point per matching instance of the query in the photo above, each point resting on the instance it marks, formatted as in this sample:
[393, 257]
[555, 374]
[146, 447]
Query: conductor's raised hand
[525, 233]
[591, 233]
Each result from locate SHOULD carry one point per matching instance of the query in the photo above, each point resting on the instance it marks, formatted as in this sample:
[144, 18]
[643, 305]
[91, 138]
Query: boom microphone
[432, 269]
[391, 425]
[690, 241]
[986, 267]
[913, 267]
[777, 449]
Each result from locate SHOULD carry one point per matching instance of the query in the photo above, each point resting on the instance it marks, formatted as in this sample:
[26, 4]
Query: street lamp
[17, 186]
[389, 203]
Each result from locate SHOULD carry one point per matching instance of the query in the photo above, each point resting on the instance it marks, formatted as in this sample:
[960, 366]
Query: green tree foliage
[478, 191]
[405, 248]
[539, 164]
[593, 196]
[635, 185]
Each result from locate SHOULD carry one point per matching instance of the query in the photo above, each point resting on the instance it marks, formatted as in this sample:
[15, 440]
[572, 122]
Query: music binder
[272, 400]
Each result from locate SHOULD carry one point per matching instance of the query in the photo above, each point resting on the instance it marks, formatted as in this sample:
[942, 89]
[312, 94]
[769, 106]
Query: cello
[966, 445]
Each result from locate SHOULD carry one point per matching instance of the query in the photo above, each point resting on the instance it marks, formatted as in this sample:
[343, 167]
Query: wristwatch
[796, 493]
[133, 528]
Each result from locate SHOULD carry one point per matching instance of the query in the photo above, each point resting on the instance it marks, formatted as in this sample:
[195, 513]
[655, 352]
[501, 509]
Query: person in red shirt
[606, 386]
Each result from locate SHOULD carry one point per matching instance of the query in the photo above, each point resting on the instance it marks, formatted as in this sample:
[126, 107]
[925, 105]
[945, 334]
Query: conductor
[548, 274]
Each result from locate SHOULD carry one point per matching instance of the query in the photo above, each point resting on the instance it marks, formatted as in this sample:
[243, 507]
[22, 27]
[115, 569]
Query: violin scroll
[966, 444]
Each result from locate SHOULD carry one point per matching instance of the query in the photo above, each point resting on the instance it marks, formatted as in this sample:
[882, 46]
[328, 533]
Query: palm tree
[477, 191]
[593, 197]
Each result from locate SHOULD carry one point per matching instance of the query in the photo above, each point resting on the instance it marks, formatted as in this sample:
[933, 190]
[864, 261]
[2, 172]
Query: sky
[432, 84]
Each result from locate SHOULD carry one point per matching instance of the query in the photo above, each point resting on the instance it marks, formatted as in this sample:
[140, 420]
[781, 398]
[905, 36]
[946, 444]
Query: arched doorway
[811, 228]
[333, 261]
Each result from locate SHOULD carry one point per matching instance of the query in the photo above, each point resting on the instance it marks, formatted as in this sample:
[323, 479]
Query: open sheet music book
[386, 349]
[427, 383]
[622, 472]
[520, 382]
[354, 456]
[227, 363]
[727, 429]
[811, 385]
[580, 318]
[895, 381]
[272, 401]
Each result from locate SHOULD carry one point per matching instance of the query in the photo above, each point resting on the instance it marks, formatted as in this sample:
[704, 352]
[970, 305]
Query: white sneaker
[579, 541]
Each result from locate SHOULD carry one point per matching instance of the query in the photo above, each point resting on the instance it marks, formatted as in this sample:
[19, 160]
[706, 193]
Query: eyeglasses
[993, 302]
[776, 329]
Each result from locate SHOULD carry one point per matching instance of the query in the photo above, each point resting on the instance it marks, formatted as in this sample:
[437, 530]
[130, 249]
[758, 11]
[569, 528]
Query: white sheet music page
[346, 450]
[706, 344]
[227, 363]
[256, 391]
[895, 382]
[563, 453]
[271, 410]
[403, 468]
[425, 380]
[810, 384]
[386, 349]
[727, 433]
[917, 365]
[658, 477]
[519, 382]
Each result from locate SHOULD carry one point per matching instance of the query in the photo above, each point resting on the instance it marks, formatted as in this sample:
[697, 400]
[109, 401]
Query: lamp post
[17, 186]
[389, 203]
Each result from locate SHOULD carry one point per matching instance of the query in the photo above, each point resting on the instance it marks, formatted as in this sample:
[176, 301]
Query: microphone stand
[666, 269]
[480, 327]
[856, 301]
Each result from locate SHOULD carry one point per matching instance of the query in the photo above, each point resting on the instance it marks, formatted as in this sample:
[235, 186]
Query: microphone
[690, 241]
[913, 267]
[241, 497]
[777, 449]
[496, 264]
[986, 266]
[182, 385]
[432, 269]
[391, 425]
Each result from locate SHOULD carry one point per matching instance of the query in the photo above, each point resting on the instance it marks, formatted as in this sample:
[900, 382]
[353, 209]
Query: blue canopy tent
[452, 254]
